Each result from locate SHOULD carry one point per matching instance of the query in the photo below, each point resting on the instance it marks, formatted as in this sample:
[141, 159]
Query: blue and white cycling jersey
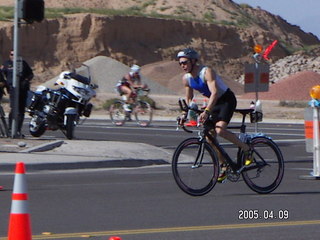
[198, 83]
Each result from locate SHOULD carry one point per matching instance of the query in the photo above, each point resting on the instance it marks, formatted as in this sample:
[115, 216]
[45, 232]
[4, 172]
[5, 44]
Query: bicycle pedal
[223, 181]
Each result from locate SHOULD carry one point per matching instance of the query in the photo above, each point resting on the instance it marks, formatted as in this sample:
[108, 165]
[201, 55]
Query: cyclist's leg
[213, 133]
[126, 93]
[126, 90]
[223, 112]
[222, 131]
[222, 163]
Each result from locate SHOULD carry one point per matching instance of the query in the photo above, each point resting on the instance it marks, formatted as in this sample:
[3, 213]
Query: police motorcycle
[53, 109]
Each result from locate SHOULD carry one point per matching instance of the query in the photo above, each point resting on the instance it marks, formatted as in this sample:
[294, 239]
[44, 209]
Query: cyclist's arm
[137, 83]
[188, 90]
[211, 82]
[189, 96]
[127, 79]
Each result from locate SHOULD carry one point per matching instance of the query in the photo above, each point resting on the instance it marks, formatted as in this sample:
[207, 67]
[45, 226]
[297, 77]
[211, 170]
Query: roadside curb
[43, 147]
[123, 163]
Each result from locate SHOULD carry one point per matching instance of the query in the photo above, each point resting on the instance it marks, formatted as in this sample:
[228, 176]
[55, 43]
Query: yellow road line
[176, 229]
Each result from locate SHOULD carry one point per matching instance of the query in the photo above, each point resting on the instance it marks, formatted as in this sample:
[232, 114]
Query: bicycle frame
[236, 167]
[266, 161]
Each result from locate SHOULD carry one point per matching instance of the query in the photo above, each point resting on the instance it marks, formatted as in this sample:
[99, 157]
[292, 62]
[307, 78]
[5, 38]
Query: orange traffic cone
[19, 223]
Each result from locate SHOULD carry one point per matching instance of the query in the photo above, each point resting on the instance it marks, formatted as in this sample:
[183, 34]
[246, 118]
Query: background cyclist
[221, 100]
[126, 85]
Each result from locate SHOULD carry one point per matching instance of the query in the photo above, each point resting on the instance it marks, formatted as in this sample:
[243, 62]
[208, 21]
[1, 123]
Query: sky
[303, 13]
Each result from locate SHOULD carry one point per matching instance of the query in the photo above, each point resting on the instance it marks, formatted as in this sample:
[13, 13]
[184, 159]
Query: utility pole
[17, 67]
[29, 11]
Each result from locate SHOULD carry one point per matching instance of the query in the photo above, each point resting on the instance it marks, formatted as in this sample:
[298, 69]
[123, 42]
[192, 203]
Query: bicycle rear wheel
[117, 113]
[143, 113]
[266, 171]
[195, 167]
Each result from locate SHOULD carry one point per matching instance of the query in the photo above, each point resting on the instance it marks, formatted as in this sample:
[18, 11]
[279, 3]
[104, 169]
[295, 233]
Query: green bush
[6, 13]
[108, 103]
[149, 100]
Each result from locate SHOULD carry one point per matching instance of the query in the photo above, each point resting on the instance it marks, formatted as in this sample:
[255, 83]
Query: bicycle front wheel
[117, 113]
[266, 171]
[143, 113]
[195, 167]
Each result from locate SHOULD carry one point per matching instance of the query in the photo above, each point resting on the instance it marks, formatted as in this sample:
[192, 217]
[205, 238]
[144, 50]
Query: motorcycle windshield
[80, 78]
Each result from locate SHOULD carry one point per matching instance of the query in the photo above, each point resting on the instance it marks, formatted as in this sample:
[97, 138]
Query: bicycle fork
[199, 158]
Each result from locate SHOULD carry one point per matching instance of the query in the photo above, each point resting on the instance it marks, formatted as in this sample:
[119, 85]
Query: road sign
[256, 77]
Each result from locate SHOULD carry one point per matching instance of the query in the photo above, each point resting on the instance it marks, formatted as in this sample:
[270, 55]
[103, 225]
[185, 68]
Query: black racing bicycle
[196, 167]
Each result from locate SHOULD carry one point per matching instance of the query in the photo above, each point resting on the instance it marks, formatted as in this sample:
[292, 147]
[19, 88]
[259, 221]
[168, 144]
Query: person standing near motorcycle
[127, 83]
[24, 86]
[3, 85]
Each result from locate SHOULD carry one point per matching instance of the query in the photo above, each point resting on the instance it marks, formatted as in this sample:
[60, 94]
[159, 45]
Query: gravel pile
[106, 72]
[293, 64]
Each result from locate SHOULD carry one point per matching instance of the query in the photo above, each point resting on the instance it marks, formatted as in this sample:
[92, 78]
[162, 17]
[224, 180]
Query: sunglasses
[184, 62]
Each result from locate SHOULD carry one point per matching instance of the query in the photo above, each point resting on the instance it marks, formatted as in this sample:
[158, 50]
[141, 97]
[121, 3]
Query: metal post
[17, 67]
[256, 80]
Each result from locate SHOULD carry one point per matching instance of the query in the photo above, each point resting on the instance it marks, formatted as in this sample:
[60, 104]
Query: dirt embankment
[58, 44]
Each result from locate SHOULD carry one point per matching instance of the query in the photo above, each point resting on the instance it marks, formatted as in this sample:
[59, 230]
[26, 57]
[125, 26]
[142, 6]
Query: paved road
[145, 203]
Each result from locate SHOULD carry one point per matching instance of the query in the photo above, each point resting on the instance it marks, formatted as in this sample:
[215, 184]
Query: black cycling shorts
[224, 108]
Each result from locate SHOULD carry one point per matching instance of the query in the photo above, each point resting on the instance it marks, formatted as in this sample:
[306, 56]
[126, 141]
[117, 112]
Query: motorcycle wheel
[36, 128]
[70, 125]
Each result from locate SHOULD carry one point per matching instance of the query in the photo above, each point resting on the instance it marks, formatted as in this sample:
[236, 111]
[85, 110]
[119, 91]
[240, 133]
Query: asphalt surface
[77, 154]
[50, 154]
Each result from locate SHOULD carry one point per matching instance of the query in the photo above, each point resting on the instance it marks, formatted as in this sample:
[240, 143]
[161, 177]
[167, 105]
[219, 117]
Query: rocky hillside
[292, 64]
[222, 31]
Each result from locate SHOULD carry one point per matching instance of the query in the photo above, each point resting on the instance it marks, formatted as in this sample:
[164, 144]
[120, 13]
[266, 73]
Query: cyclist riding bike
[220, 105]
[126, 85]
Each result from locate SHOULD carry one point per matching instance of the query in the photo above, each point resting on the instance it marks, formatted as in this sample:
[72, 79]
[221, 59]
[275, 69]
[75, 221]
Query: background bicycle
[195, 163]
[141, 110]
